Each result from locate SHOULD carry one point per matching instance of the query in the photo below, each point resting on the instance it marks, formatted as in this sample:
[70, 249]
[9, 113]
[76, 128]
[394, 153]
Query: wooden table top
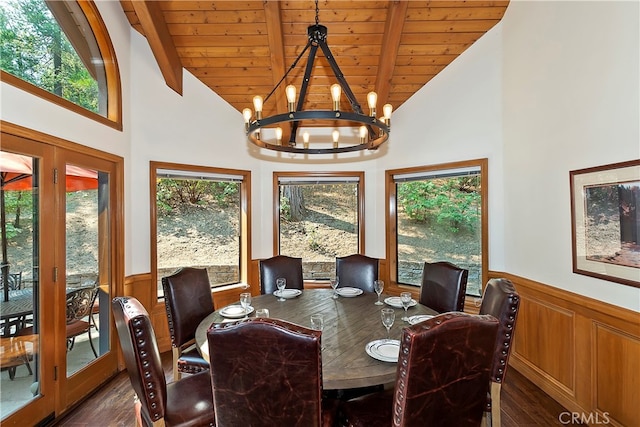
[349, 324]
[20, 304]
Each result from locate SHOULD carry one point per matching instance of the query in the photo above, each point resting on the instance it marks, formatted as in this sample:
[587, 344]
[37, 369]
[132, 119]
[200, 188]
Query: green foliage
[451, 202]
[34, 48]
[15, 204]
[175, 193]
[285, 208]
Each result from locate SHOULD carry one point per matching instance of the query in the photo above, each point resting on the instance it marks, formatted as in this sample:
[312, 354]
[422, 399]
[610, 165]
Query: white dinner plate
[288, 293]
[235, 311]
[384, 350]
[419, 318]
[397, 302]
[349, 292]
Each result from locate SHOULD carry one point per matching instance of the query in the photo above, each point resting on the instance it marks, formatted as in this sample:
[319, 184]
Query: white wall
[571, 101]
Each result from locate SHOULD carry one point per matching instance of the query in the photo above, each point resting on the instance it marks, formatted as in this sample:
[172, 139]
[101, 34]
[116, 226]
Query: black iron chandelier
[372, 131]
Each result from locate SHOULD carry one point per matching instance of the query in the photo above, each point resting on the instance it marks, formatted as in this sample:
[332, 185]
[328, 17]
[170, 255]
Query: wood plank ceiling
[243, 48]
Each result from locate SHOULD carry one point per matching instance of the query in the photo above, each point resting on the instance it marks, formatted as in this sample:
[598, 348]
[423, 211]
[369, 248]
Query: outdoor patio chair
[79, 307]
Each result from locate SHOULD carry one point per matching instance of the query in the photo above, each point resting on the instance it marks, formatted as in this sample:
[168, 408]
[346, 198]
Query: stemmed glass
[245, 302]
[388, 317]
[378, 286]
[334, 286]
[317, 322]
[405, 297]
[281, 283]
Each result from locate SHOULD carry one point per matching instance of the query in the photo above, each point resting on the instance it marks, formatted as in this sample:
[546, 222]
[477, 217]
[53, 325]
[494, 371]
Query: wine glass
[317, 322]
[405, 297]
[388, 317]
[281, 283]
[334, 286]
[378, 286]
[245, 302]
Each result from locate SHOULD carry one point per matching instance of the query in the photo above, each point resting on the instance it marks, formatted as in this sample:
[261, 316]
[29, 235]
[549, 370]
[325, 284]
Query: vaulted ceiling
[243, 48]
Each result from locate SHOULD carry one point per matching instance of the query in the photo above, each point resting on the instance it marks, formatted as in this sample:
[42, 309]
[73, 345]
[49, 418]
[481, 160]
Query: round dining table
[349, 324]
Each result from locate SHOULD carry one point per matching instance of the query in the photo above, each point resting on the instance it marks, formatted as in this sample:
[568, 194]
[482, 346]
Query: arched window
[61, 51]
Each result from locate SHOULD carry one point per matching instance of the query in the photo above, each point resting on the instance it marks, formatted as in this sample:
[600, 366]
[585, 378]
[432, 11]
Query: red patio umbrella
[15, 174]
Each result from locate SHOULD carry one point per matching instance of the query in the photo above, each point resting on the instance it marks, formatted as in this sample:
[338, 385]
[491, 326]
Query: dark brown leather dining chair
[186, 402]
[188, 300]
[267, 372]
[501, 300]
[357, 271]
[444, 286]
[442, 376]
[280, 266]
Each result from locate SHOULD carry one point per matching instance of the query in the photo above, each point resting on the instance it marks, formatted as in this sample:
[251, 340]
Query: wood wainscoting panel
[544, 337]
[583, 352]
[617, 375]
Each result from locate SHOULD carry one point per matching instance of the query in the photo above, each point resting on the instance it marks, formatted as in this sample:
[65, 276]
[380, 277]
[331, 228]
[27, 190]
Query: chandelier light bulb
[305, 139]
[336, 90]
[363, 134]
[290, 90]
[247, 113]
[257, 105]
[372, 100]
[335, 135]
[279, 134]
[386, 111]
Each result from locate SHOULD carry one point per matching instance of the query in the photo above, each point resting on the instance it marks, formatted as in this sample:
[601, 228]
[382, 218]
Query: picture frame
[605, 222]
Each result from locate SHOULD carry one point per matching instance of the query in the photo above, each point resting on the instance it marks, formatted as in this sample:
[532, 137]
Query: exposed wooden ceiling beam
[276, 46]
[157, 34]
[389, 51]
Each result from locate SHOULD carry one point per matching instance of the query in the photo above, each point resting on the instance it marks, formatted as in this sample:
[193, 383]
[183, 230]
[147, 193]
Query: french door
[60, 223]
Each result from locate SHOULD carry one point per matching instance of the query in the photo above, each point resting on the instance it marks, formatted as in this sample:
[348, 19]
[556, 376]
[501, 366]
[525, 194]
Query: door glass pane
[19, 283]
[87, 266]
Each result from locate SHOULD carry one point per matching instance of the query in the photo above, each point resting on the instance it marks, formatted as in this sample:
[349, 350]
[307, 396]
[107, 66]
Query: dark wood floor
[523, 404]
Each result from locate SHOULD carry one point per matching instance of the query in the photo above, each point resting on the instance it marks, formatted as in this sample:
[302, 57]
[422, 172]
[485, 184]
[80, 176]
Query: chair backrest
[14, 281]
[141, 356]
[443, 371]
[265, 372]
[444, 286]
[80, 303]
[280, 266]
[501, 300]
[188, 300]
[358, 271]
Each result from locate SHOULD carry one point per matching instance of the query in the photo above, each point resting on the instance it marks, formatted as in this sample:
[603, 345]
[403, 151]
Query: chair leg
[95, 353]
[176, 355]
[495, 404]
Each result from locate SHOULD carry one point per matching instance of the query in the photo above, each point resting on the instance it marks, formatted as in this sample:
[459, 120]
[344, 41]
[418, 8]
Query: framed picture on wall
[605, 228]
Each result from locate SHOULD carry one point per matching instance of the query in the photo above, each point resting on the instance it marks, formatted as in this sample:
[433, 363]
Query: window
[200, 221]
[439, 214]
[319, 217]
[50, 48]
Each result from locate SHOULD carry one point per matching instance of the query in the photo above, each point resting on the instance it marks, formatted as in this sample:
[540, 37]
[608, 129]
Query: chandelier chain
[317, 12]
